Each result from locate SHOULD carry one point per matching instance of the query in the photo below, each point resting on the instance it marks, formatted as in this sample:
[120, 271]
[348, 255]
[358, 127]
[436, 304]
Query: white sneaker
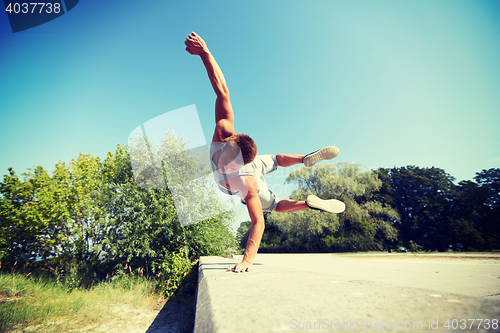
[326, 153]
[330, 206]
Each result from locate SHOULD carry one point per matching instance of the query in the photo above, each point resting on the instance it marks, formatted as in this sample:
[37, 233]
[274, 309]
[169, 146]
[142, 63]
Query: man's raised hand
[195, 44]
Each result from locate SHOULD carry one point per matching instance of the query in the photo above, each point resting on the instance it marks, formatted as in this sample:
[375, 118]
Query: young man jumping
[237, 168]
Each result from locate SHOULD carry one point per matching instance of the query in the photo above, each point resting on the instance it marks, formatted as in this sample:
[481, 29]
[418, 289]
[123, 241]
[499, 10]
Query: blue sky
[391, 83]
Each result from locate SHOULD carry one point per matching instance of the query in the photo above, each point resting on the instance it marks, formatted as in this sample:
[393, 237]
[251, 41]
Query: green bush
[172, 272]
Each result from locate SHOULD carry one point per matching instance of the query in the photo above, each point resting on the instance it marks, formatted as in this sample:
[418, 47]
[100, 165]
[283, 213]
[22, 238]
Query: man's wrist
[247, 261]
[205, 54]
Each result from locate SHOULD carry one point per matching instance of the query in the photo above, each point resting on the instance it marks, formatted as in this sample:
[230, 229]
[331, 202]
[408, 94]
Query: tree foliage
[438, 215]
[423, 198]
[91, 216]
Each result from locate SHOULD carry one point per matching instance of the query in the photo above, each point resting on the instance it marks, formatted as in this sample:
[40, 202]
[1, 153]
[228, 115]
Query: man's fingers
[238, 268]
[242, 269]
[189, 50]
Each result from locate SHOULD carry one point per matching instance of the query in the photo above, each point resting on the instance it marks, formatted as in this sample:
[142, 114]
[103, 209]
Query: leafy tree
[489, 207]
[18, 235]
[424, 199]
[436, 214]
[31, 214]
[489, 181]
[85, 223]
[466, 218]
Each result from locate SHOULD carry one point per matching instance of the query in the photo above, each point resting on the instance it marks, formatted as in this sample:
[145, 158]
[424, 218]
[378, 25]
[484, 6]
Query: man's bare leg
[326, 153]
[312, 202]
[290, 206]
[286, 160]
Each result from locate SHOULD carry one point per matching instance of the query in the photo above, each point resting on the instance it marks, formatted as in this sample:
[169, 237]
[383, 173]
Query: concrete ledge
[328, 292]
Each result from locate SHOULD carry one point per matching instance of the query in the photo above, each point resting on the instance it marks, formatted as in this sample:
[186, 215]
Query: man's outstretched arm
[257, 217]
[224, 117]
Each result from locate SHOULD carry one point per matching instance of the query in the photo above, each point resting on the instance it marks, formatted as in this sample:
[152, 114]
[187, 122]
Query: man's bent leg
[286, 160]
[290, 206]
[312, 202]
[326, 153]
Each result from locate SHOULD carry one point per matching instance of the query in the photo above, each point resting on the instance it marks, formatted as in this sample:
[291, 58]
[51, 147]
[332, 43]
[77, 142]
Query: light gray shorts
[261, 166]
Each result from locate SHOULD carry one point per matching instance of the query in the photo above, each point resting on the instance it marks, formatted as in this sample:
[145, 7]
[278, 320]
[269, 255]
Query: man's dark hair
[245, 143]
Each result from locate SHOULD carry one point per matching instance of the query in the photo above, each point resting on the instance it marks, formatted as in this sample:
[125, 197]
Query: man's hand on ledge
[243, 266]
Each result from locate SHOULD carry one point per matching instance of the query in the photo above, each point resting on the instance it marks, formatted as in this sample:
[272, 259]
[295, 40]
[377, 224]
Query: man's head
[239, 150]
[242, 142]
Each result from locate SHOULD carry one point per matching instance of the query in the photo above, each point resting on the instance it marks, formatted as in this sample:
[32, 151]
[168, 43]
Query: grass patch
[41, 304]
